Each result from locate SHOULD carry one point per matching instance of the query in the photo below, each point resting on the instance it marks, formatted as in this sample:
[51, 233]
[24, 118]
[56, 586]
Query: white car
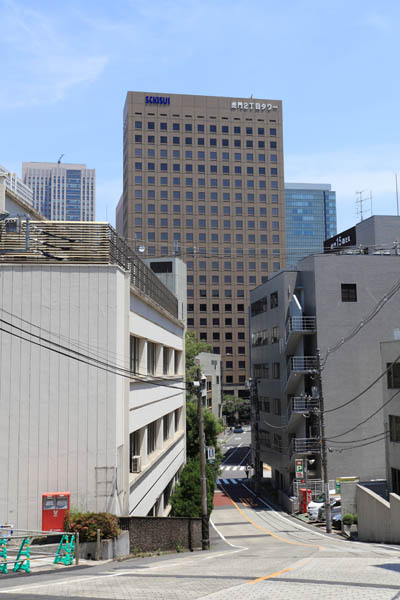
[314, 507]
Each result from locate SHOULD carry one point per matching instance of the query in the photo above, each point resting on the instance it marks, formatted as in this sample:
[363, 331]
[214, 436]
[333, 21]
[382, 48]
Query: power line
[370, 437]
[378, 307]
[368, 418]
[366, 389]
[359, 445]
[90, 361]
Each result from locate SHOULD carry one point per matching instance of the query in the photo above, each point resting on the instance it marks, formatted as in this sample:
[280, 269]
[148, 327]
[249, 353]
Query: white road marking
[224, 539]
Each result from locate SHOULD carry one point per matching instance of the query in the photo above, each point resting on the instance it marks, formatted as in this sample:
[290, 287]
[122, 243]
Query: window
[276, 370]
[165, 427]
[394, 428]
[151, 437]
[273, 300]
[393, 375]
[151, 358]
[176, 419]
[134, 354]
[349, 292]
[165, 360]
[277, 406]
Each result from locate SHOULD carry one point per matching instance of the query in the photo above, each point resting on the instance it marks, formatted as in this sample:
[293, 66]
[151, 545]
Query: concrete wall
[211, 367]
[149, 534]
[378, 520]
[65, 424]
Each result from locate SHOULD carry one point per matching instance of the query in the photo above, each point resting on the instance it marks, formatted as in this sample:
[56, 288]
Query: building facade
[15, 197]
[390, 352]
[210, 365]
[310, 219]
[203, 179]
[62, 192]
[325, 303]
[92, 391]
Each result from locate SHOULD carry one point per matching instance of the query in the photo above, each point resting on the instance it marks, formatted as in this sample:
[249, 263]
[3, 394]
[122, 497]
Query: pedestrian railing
[19, 547]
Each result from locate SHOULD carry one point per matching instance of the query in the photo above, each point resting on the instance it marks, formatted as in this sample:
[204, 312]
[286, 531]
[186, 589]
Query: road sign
[210, 454]
[299, 469]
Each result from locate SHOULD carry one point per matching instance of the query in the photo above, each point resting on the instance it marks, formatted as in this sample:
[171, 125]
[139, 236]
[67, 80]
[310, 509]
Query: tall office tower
[203, 178]
[310, 219]
[62, 192]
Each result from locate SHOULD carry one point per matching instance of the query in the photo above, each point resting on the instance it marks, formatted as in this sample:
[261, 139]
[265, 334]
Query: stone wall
[149, 534]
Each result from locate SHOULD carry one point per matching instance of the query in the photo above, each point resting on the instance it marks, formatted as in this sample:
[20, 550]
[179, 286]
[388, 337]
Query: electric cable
[359, 445]
[370, 437]
[366, 389]
[90, 362]
[368, 418]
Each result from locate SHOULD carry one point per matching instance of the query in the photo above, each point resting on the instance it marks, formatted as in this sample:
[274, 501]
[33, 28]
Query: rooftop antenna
[360, 201]
[59, 160]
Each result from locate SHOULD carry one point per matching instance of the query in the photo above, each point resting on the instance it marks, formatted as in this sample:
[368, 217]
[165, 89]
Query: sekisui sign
[157, 100]
[239, 105]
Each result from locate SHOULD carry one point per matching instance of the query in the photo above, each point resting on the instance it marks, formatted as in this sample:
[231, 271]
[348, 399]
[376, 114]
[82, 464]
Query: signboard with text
[299, 469]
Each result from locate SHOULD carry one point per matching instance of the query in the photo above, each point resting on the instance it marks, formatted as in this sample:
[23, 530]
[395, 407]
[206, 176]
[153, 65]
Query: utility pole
[255, 412]
[205, 538]
[323, 444]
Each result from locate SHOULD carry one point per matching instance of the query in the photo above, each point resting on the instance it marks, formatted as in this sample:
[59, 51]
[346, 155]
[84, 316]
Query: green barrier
[66, 550]
[3, 555]
[24, 550]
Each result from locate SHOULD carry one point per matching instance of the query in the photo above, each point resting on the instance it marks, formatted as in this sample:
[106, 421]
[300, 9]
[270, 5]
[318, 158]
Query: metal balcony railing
[301, 364]
[300, 325]
[301, 405]
[304, 445]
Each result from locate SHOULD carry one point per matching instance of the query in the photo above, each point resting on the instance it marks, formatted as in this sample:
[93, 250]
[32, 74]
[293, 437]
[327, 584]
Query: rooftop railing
[81, 242]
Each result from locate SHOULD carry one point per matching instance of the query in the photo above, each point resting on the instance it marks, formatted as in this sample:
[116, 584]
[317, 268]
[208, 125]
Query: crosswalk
[229, 481]
[233, 467]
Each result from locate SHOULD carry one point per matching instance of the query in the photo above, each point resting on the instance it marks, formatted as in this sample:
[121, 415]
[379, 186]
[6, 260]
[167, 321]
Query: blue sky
[66, 68]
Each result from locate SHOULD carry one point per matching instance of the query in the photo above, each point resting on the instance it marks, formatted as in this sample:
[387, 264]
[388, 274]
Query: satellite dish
[141, 249]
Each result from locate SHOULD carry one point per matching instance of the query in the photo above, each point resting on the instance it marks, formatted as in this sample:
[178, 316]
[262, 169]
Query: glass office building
[62, 192]
[310, 219]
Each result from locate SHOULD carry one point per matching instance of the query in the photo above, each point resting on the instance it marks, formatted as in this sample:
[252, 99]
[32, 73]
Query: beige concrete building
[203, 179]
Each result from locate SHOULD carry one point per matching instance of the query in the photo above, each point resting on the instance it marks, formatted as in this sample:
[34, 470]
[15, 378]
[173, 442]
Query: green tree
[230, 409]
[186, 498]
[212, 428]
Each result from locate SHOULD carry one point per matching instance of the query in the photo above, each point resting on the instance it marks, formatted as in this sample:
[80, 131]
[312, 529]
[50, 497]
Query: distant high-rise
[62, 192]
[203, 179]
[310, 219]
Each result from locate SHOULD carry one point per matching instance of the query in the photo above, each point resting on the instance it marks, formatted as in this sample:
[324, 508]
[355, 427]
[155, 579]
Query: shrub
[87, 525]
[355, 517]
[186, 498]
[348, 519]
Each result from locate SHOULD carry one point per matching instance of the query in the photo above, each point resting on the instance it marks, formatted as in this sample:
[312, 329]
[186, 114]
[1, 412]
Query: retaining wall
[378, 519]
[149, 534]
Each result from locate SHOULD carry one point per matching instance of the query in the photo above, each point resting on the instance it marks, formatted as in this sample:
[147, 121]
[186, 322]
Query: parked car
[337, 521]
[336, 508]
[314, 507]
[238, 429]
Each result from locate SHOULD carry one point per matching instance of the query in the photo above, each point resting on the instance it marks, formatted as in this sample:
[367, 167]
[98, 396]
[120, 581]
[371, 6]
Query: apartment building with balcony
[92, 390]
[326, 302]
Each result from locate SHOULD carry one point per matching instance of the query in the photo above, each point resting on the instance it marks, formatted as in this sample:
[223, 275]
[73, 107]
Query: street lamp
[199, 385]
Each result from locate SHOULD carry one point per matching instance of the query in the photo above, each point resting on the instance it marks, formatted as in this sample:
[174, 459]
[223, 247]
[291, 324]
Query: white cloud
[42, 60]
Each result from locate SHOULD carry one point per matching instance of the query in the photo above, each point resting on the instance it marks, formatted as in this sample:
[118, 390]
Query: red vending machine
[305, 497]
[54, 508]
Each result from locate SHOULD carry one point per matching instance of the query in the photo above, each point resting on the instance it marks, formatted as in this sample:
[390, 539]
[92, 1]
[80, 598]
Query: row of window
[213, 223]
[216, 322]
[201, 155]
[170, 424]
[262, 370]
[261, 305]
[265, 439]
[189, 141]
[201, 182]
[236, 129]
[227, 265]
[216, 279]
[265, 405]
[228, 336]
[176, 167]
[262, 338]
[201, 209]
[211, 196]
[146, 359]
[202, 293]
[215, 308]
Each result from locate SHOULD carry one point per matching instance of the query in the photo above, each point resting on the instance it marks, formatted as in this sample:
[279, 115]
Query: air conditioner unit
[136, 464]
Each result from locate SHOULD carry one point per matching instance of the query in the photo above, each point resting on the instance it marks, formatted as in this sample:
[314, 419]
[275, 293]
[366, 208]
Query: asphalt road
[256, 553]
